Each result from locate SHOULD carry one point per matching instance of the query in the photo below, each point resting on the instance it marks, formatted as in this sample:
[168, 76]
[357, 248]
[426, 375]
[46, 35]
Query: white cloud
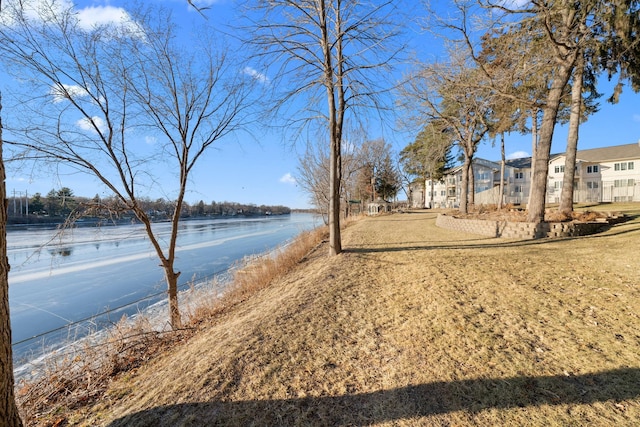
[204, 3]
[287, 178]
[518, 155]
[514, 3]
[33, 9]
[91, 124]
[63, 93]
[256, 75]
[88, 17]
[94, 16]
[150, 140]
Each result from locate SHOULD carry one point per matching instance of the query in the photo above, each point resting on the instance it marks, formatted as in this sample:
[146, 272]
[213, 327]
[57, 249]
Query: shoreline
[31, 346]
[410, 325]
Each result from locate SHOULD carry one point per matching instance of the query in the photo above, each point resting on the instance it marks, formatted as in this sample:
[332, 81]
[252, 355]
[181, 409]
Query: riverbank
[411, 325]
[61, 222]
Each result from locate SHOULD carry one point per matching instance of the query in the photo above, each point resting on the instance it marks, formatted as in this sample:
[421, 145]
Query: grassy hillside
[413, 325]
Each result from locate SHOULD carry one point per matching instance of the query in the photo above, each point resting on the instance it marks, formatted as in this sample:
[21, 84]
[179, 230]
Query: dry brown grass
[255, 273]
[80, 373]
[413, 325]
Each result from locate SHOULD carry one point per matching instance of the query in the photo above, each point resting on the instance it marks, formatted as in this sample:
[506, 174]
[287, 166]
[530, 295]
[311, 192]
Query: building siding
[608, 174]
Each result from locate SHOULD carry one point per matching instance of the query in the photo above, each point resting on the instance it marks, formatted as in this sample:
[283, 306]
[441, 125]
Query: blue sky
[260, 168]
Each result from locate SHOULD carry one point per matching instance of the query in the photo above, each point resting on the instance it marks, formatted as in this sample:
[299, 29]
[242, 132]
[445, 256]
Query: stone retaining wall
[519, 230]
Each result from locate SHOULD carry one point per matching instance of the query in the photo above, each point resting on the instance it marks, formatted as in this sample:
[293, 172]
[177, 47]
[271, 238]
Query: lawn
[412, 325]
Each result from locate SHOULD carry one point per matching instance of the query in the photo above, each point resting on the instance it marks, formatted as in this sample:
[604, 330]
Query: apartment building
[607, 174]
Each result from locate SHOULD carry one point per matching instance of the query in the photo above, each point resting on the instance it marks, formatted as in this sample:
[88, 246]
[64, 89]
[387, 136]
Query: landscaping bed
[512, 223]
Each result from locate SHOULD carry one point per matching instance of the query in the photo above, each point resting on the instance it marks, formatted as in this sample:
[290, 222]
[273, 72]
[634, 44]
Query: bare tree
[428, 156]
[8, 409]
[358, 160]
[94, 93]
[514, 61]
[313, 176]
[325, 52]
[566, 197]
[452, 95]
[610, 29]
[377, 171]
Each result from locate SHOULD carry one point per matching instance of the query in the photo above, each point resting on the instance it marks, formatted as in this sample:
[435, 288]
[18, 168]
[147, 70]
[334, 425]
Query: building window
[623, 183]
[592, 184]
[517, 188]
[443, 193]
[559, 169]
[592, 169]
[623, 166]
[519, 175]
[557, 184]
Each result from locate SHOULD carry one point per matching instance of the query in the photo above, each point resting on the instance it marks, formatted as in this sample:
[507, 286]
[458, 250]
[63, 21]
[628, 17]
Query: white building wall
[620, 181]
[594, 181]
[518, 186]
[555, 179]
[439, 194]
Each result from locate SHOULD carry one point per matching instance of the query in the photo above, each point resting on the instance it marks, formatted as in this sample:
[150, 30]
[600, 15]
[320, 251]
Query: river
[60, 284]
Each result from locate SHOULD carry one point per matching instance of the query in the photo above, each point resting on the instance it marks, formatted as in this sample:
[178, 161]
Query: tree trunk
[166, 262]
[471, 191]
[534, 150]
[335, 242]
[431, 202]
[541, 165]
[172, 290]
[502, 166]
[334, 113]
[566, 198]
[9, 416]
[464, 194]
[171, 274]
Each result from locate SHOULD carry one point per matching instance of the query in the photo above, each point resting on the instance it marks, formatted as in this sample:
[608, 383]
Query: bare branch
[119, 83]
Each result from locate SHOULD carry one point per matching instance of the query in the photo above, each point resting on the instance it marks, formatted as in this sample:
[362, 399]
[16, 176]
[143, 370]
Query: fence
[621, 190]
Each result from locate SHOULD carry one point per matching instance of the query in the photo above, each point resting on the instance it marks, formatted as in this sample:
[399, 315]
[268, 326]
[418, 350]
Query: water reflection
[64, 252]
[89, 270]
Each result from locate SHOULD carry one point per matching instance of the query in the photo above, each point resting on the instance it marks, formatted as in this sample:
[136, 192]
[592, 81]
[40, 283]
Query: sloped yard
[413, 325]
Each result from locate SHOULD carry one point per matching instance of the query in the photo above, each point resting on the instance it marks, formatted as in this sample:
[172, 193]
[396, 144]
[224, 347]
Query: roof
[616, 152]
[521, 163]
[453, 170]
[595, 155]
[477, 161]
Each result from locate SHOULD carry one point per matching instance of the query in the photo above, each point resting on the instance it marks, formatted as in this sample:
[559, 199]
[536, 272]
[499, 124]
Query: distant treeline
[58, 205]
